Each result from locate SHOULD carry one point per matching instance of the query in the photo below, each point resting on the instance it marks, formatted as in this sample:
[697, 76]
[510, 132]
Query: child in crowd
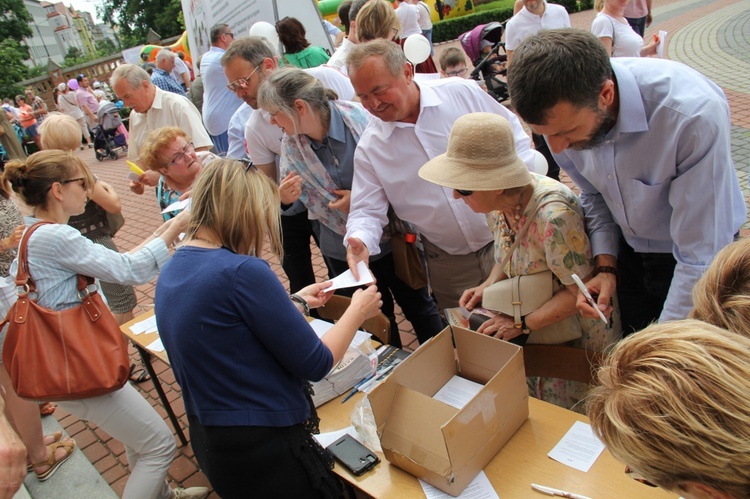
[453, 63]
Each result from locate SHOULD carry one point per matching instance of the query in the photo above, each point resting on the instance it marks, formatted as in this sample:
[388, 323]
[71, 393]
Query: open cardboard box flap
[442, 445]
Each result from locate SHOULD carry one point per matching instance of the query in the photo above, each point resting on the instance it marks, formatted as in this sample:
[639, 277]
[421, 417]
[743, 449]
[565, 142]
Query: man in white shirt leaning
[413, 125]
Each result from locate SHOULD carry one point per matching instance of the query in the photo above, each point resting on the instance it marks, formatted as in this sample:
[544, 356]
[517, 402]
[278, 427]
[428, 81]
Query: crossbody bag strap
[553, 196]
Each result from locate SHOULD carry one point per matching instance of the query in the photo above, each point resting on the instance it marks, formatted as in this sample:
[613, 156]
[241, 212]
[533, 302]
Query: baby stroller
[487, 66]
[107, 140]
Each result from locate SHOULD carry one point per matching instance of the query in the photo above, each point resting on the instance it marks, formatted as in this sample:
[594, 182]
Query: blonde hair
[722, 295]
[239, 205]
[377, 19]
[672, 403]
[156, 141]
[598, 5]
[32, 178]
[60, 131]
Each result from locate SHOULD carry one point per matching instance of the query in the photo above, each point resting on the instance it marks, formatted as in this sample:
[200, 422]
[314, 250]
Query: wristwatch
[522, 326]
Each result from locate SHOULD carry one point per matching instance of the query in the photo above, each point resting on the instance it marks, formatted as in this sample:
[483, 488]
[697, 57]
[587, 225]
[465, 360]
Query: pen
[380, 376]
[356, 387]
[556, 492]
[588, 296]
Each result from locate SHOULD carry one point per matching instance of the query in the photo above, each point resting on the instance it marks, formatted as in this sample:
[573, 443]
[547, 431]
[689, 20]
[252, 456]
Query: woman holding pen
[240, 346]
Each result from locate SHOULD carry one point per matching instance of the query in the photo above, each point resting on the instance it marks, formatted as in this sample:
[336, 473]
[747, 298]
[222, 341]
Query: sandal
[46, 409]
[54, 464]
[53, 438]
[138, 374]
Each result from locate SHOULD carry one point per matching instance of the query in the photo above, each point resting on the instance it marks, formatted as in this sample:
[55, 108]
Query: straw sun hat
[481, 156]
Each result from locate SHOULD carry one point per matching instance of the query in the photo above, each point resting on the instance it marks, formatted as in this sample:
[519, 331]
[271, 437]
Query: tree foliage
[14, 70]
[105, 48]
[135, 17]
[74, 57]
[15, 23]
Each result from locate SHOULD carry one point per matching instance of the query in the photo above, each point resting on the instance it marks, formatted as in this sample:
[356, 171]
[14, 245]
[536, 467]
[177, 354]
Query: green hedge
[450, 29]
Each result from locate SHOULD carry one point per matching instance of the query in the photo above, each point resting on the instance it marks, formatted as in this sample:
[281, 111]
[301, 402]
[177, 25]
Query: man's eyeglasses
[463, 192]
[181, 157]
[458, 72]
[241, 82]
[229, 33]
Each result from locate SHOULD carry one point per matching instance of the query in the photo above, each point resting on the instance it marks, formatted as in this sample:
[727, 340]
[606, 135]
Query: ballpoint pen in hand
[556, 492]
[588, 297]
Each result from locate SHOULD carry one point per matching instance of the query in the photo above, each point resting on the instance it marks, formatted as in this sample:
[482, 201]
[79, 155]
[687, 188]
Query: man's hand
[604, 285]
[356, 252]
[343, 202]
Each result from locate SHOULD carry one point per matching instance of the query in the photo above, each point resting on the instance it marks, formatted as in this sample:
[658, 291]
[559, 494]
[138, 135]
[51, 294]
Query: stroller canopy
[471, 40]
[109, 117]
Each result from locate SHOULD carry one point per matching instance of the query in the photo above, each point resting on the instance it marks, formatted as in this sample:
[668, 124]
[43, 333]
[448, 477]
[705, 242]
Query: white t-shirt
[625, 41]
[425, 23]
[408, 16]
[525, 24]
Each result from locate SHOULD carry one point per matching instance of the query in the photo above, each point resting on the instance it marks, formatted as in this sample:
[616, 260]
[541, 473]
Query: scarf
[317, 185]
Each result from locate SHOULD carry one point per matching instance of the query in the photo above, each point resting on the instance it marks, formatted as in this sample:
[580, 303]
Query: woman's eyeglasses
[241, 82]
[84, 182]
[463, 192]
[181, 157]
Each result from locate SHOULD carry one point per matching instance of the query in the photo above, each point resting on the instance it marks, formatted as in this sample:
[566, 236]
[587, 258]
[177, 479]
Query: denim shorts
[31, 131]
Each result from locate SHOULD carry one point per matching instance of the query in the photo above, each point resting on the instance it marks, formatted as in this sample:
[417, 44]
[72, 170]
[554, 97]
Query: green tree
[74, 57]
[37, 71]
[135, 17]
[105, 48]
[14, 70]
[15, 23]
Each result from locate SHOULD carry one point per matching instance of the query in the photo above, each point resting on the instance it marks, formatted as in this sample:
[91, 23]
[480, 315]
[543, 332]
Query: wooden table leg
[146, 357]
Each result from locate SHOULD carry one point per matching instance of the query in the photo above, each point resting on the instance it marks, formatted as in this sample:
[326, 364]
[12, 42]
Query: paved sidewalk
[713, 37]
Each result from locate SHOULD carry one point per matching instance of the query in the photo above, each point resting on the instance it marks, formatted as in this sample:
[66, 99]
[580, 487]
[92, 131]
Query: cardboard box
[444, 446]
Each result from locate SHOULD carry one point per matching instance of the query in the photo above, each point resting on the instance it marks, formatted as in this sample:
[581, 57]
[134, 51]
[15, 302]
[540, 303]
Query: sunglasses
[463, 192]
[248, 165]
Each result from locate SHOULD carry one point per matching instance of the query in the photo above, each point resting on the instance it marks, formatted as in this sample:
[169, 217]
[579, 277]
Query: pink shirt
[86, 98]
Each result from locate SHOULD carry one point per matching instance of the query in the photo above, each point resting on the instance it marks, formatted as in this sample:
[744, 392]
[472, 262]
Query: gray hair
[216, 31]
[253, 49]
[285, 85]
[390, 52]
[557, 65]
[134, 75]
[165, 55]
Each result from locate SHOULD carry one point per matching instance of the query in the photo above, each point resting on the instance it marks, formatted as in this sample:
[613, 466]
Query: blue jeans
[221, 143]
[427, 33]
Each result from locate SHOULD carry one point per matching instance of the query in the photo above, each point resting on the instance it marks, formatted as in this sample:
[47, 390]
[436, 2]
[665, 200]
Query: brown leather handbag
[72, 354]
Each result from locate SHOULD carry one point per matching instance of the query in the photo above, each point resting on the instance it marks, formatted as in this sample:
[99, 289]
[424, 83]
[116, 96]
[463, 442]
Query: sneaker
[190, 493]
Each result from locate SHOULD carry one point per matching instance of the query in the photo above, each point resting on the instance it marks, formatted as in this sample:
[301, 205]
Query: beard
[605, 122]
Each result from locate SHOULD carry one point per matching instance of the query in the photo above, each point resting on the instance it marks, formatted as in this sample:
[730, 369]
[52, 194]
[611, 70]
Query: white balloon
[540, 165]
[416, 48]
[267, 31]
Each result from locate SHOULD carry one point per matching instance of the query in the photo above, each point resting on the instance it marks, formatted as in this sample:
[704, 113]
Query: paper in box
[440, 444]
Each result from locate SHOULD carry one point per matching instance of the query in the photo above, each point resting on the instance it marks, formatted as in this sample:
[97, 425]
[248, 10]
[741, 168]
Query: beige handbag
[520, 295]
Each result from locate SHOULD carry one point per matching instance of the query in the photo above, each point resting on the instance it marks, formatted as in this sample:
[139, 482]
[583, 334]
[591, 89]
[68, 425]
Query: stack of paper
[353, 368]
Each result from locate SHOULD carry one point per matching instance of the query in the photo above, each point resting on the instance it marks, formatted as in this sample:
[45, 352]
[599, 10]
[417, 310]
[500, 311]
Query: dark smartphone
[352, 454]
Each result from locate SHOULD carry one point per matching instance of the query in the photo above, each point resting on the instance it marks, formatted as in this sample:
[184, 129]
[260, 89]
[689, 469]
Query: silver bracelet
[297, 298]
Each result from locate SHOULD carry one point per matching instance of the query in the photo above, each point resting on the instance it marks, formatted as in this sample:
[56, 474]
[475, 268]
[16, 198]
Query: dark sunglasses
[248, 165]
[464, 193]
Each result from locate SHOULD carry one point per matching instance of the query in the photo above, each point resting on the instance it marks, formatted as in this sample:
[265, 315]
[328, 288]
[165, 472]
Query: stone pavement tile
[182, 468]
[106, 463]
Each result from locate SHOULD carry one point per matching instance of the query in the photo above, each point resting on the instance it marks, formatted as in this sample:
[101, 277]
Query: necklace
[195, 238]
[508, 232]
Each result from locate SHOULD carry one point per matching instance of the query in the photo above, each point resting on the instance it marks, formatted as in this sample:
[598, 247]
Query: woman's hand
[472, 296]
[315, 294]
[367, 302]
[15, 238]
[137, 187]
[150, 178]
[290, 188]
[343, 202]
[185, 195]
[501, 327]
[650, 49]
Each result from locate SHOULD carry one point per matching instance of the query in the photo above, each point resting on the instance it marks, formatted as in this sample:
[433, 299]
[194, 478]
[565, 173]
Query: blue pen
[356, 388]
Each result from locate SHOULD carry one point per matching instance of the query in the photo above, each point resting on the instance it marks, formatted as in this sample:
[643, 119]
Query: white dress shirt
[338, 59]
[408, 17]
[168, 109]
[219, 103]
[236, 131]
[664, 176]
[525, 24]
[390, 154]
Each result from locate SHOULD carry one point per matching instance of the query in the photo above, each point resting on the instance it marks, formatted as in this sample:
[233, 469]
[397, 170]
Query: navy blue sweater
[239, 348]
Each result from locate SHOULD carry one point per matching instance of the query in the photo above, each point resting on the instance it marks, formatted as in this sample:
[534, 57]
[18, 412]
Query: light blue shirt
[219, 103]
[236, 132]
[664, 175]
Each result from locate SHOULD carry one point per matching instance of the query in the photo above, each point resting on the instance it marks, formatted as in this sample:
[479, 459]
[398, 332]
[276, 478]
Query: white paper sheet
[145, 326]
[156, 346]
[457, 392]
[321, 327]
[178, 205]
[662, 44]
[327, 438]
[347, 280]
[479, 488]
[579, 448]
